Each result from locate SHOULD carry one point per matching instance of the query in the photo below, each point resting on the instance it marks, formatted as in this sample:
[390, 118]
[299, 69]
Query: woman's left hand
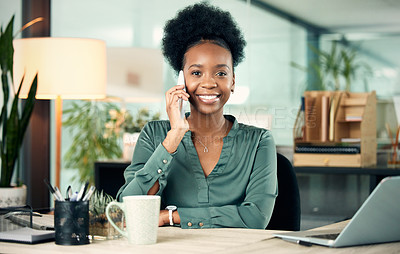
[163, 219]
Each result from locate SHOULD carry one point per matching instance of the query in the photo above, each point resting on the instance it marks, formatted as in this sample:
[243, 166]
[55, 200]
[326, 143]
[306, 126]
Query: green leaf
[28, 108]
[11, 142]
[86, 120]
[6, 48]
[4, 110]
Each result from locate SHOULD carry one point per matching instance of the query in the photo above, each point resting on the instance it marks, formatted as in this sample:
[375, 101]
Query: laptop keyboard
[325, 236]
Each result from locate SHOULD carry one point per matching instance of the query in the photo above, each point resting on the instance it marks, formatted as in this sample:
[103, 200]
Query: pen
[74, 196]
[299, 242]
[69, 192]
[89, 193]
[58, 193]
[82, 191]
[51, 189]
[85, 189]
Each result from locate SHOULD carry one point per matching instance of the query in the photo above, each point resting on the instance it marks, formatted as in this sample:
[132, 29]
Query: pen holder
[71, 222]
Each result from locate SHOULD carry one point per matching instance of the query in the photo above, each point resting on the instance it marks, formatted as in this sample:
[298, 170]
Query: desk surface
[176, 240]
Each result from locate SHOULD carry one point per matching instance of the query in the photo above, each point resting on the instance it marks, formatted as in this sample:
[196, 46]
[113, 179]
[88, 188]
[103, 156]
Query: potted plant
[123, 122]
[86, 122]
[335, 66]
[96, 128]
[99, 227]
[13, 121]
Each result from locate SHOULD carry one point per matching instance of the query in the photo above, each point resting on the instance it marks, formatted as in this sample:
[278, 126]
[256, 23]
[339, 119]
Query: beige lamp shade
[71, 68]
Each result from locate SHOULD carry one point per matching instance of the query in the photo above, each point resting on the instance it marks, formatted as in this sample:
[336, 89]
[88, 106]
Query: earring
[232, 91]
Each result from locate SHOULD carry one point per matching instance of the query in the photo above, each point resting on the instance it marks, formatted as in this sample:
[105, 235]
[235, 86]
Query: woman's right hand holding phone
[179, 125]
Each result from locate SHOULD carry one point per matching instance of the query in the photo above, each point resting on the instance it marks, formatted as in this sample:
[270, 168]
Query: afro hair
[197, 23]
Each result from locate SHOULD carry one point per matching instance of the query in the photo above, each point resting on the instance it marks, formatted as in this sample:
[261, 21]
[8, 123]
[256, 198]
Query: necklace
[205, 147]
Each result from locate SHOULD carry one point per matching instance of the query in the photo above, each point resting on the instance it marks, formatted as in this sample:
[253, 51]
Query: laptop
[377, 221]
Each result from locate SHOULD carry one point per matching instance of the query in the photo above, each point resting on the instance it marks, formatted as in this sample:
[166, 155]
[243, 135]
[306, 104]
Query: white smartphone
[182, 103]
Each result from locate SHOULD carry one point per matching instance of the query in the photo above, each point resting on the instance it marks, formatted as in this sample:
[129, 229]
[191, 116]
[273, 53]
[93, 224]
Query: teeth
[208, 97]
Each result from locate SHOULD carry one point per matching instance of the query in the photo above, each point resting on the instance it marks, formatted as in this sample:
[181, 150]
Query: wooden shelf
[360, 106]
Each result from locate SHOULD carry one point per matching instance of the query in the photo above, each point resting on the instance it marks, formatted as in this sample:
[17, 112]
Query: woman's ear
[233, 84]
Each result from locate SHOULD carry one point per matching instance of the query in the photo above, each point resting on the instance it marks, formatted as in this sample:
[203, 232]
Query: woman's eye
[221, 74]
[196, 73]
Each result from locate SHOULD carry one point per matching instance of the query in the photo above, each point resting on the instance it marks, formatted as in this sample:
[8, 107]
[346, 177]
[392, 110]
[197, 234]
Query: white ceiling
[346, 16]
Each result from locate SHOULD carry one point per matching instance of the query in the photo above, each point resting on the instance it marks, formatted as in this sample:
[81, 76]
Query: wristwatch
[171, 209]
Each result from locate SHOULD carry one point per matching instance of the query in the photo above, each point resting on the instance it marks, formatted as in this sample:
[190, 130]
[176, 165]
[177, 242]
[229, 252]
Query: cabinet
[339, 130]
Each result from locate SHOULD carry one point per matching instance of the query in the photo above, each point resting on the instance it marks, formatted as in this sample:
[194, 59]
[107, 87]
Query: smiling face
[209, 77]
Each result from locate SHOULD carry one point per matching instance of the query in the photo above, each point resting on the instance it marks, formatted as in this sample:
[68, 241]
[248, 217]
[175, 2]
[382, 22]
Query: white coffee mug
[141, 213]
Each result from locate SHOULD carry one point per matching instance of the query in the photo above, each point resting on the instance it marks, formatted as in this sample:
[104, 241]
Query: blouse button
[165, 161]
[159, 171]
[201, 224]
[190, 224]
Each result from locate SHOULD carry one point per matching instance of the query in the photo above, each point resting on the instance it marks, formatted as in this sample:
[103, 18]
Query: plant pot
[12, 196]
[129, 140]
[101, 229]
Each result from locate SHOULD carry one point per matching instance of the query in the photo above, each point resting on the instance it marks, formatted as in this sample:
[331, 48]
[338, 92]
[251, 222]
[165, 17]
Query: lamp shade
[70, 68]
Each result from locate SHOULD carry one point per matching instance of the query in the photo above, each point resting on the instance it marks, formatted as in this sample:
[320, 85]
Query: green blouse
[239, 192]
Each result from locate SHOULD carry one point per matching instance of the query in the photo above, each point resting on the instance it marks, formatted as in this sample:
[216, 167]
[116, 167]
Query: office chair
[286, 213]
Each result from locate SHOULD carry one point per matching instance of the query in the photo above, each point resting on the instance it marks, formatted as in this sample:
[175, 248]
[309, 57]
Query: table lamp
[68, 68]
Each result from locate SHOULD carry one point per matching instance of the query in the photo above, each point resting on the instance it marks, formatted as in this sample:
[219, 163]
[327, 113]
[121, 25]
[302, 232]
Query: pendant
[205, 150]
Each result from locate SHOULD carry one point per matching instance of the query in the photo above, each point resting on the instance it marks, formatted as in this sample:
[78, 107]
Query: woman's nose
[208, 81]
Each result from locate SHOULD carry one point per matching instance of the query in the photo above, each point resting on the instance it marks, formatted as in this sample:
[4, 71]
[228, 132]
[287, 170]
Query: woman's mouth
[208, 98]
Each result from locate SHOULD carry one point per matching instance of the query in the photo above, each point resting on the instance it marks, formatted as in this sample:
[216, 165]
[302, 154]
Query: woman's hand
[179, 126]
[172, 98]
[164, 218]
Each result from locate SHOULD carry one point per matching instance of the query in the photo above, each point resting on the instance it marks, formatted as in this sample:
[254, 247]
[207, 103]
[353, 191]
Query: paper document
[27, 235]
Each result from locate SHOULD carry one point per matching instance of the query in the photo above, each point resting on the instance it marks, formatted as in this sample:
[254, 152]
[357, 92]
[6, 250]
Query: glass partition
[264, 81]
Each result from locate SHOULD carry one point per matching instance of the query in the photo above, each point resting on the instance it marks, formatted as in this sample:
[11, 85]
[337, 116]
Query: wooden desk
[176, 240]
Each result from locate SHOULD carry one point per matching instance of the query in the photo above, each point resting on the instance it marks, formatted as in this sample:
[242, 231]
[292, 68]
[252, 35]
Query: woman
[217, 172]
